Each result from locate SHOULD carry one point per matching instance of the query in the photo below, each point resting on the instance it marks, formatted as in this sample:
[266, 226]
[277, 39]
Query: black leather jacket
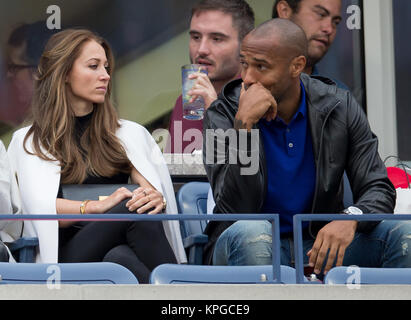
[342, 140]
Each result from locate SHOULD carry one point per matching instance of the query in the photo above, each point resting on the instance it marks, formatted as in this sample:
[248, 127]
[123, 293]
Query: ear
[284, 10]
[297, 66]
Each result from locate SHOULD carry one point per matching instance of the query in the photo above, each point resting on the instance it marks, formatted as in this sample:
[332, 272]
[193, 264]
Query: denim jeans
[250, 243]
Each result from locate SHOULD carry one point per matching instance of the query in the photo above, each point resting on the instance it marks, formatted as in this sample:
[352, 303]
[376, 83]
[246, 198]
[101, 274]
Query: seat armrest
[196, 239]
[24, 249]
[194, 247]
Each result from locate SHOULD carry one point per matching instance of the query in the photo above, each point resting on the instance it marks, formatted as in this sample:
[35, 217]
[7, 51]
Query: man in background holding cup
[216, 30]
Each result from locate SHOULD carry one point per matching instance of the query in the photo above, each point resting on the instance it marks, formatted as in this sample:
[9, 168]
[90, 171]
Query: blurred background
[150, 42]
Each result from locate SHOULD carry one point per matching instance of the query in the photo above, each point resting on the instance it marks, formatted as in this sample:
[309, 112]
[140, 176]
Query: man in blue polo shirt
[290, 165]
[310, 132]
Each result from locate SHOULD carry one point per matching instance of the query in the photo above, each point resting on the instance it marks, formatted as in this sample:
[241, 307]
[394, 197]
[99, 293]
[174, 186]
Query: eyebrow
[213, 34]
[260, 60]
[318, 6]
[97, 59]
[256, 60]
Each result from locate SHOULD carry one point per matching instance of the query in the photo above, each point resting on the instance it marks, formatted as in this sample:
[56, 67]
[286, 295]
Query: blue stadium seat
[194, 274]
[356, 275]
[192, 199]
[65, 273]
[24, 249]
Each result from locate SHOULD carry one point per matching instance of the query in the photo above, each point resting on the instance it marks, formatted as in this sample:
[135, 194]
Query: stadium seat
[65, 273]
[356, 275]
[192, 199]
[24, 249]
[194, 274]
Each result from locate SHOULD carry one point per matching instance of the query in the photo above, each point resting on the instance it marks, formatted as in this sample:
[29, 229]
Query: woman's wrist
[93, 207]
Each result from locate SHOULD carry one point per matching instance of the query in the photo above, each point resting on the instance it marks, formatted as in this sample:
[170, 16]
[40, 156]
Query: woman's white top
[39, 182]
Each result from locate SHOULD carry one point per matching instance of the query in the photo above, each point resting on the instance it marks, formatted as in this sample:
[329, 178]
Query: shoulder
[128, 126]
[21, 133]
[131, 132]
[322, 91]
[18, 137]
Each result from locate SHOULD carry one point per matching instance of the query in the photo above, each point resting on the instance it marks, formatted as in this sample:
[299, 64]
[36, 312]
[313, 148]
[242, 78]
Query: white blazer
[39, 181]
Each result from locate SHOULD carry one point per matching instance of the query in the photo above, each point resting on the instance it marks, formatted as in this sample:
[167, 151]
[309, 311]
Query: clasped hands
[142, 200]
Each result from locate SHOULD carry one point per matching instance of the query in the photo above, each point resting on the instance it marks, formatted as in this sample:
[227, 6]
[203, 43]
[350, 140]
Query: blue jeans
[250, 243]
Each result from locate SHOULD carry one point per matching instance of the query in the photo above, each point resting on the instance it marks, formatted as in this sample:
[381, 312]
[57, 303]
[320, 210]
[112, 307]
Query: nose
[248, 77]
[204, 48]
[327, 26]
[104, 75]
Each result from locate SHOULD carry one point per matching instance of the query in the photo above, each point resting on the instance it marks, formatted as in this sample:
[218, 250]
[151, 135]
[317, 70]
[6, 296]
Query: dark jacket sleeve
[372, 190]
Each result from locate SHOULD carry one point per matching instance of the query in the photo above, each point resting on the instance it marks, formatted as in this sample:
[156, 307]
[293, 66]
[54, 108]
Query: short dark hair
[35, 36]
[294, 4]
[240, 10]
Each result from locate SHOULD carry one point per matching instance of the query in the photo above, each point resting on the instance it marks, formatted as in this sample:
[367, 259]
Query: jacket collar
[321, 92]
[231, 92]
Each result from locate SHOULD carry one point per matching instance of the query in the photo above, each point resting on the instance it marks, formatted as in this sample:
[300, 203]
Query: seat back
[65, 273]
[198, 274]
[192, 199]
[356, 275]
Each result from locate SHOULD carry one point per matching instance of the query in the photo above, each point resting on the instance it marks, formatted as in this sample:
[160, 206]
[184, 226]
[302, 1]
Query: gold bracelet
[83, 206]
[164, 204]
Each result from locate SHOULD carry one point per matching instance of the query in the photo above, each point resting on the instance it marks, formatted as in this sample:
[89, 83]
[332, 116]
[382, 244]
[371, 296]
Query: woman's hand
[111, 201]
[65, 206]
[144, 199]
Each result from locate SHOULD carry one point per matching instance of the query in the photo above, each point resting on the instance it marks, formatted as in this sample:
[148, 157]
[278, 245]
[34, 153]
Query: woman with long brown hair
[77, 138]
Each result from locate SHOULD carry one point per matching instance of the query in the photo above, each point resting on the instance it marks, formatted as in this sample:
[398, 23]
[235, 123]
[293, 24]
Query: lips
[204, 62]
[102, 89]
[323, 41]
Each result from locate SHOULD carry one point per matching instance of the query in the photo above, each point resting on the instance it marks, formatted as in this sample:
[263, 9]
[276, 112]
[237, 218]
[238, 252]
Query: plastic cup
[192, 110]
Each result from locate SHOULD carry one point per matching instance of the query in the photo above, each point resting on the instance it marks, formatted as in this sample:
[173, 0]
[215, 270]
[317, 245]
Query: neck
[290, 102]
[82, 109]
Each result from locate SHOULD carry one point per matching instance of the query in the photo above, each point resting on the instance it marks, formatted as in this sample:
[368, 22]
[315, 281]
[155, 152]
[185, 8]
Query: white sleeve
[210, 201]
[9, 193]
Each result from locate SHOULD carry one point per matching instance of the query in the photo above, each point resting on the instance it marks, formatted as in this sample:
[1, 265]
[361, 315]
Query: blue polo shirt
[290, 166]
